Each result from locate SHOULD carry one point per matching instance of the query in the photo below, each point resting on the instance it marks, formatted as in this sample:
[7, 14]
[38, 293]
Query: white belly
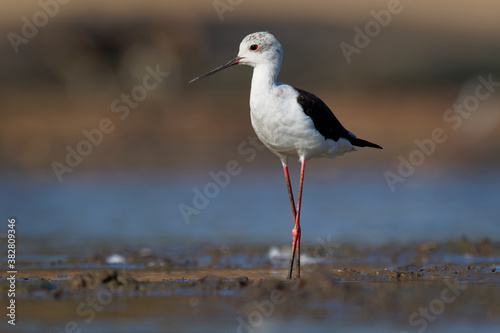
[281, 124]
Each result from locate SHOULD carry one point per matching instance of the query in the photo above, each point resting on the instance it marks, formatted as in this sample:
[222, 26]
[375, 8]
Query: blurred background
[66, 67]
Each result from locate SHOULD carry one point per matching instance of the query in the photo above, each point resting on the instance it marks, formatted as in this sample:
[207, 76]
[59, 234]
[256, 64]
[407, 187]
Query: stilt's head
[255, 49]
[259, 48]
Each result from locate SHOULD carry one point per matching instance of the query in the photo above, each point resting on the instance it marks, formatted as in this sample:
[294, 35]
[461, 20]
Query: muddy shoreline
[376, 294]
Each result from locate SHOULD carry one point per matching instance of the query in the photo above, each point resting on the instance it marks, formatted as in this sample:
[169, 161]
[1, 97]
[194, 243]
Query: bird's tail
[363, 143]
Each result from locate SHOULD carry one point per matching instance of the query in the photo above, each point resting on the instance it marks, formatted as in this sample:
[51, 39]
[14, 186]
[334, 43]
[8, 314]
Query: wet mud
[349, 287]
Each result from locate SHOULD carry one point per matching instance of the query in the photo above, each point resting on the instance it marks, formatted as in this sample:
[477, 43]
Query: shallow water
[221, 325]
[89, 210]
[456, 299]
[347, 220]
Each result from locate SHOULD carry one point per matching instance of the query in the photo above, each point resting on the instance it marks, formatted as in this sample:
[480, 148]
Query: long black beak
[230, 63]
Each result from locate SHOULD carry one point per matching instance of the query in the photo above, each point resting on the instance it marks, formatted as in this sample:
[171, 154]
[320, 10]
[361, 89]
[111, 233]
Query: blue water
[252, 209]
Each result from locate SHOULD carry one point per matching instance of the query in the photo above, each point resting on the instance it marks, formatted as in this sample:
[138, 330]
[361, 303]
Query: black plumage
[325, 121]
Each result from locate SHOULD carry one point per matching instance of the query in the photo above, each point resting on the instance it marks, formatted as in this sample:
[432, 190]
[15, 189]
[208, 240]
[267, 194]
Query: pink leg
[296, 214]
[292, 203]
[289, 186]
[296, 230]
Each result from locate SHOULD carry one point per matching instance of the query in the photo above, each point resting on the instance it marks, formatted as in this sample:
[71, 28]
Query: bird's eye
[254, 47]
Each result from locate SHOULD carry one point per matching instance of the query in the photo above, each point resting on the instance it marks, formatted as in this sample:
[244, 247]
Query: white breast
[281, 124]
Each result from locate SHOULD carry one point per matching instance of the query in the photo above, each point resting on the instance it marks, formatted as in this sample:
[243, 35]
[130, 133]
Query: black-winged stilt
[289, 121]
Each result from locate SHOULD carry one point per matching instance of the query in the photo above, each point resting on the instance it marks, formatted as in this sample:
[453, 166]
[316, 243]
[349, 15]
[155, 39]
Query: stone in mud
[111, 278]
[218, 282]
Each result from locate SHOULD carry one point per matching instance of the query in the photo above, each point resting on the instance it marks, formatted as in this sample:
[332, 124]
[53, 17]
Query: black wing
[325, 121]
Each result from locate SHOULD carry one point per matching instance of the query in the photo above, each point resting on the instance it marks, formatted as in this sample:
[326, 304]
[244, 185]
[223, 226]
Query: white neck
[264, 78]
